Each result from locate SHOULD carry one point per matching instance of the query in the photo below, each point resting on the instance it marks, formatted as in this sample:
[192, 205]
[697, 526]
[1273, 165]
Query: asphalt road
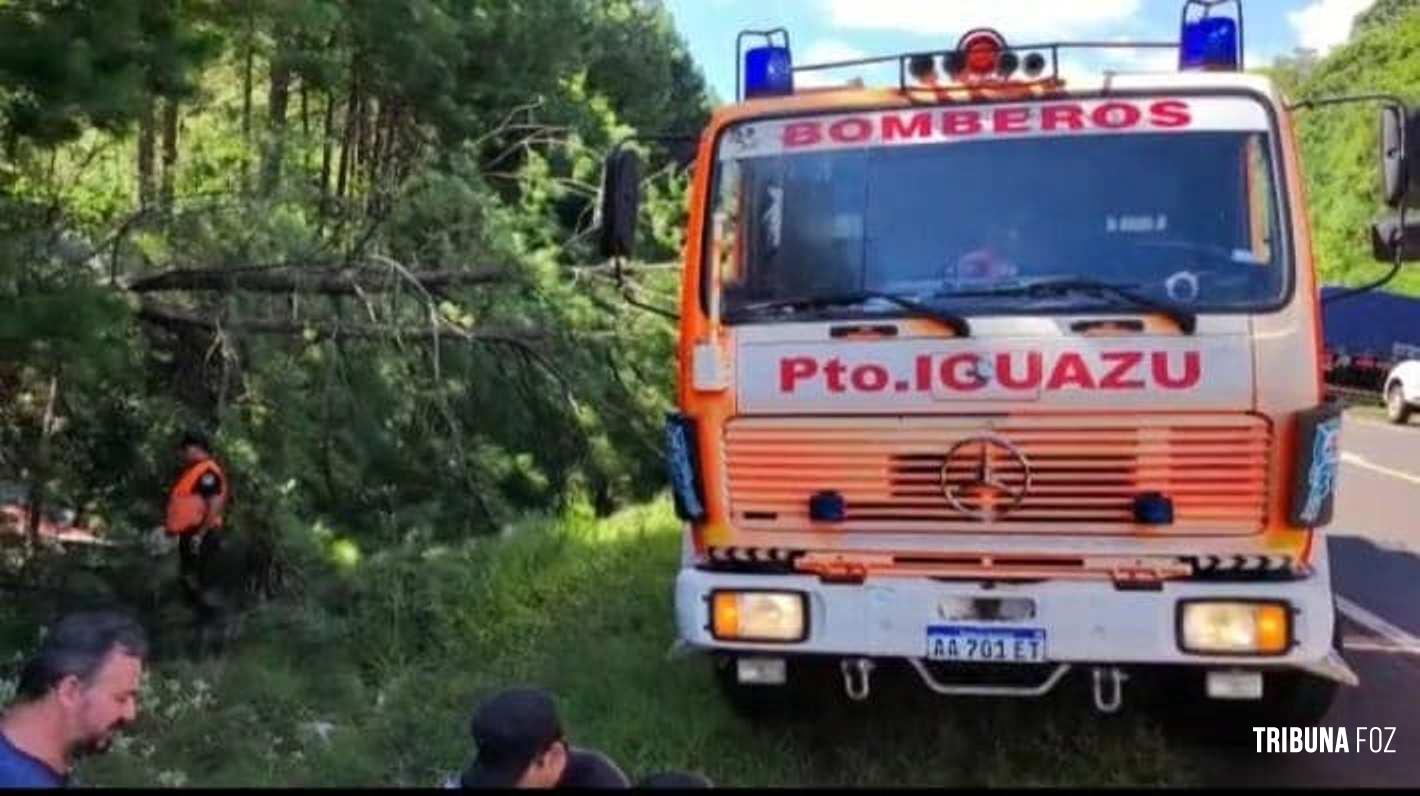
[1375, 555]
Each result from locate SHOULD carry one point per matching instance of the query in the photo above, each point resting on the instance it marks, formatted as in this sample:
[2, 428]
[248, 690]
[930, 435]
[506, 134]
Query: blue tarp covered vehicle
[1368, 333]
[1371, 323]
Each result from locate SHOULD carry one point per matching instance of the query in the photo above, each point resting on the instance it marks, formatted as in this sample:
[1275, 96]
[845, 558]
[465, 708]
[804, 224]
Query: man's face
[546, 770]
[108, 702]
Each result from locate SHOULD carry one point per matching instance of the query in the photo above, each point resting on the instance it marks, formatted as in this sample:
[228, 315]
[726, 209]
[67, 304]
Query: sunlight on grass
[371, 680]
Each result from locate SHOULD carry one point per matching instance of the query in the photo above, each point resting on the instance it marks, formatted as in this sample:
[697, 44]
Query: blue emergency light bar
[768, 69]
[769, 72]
[1209, 41]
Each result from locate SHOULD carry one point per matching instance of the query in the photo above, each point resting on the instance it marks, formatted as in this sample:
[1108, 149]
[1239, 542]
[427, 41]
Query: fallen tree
[319, 280]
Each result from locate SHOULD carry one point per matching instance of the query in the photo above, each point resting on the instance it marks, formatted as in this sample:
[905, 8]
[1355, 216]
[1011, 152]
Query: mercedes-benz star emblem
[985, 477]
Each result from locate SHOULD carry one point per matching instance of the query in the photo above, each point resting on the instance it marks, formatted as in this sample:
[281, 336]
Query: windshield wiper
[1186, 319]
[956, 323]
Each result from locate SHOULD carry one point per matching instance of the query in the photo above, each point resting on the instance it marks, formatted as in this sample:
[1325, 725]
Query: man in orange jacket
[196, 505]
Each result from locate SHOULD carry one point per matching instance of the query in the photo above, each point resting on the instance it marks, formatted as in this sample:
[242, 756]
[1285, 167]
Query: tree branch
[330, 281]
[177, 319]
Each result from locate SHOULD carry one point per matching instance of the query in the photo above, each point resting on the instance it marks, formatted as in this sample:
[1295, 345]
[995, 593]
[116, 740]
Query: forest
[351, 241]
[355, 242]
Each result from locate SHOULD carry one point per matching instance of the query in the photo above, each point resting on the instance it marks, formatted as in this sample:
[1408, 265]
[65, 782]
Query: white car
[1402, 390]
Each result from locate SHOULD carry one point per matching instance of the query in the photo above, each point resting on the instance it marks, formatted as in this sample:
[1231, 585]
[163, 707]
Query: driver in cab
[1003, 255]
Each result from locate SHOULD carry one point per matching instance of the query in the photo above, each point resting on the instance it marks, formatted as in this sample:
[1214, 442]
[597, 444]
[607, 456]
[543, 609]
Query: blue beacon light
[769, 72]
[1210, 42]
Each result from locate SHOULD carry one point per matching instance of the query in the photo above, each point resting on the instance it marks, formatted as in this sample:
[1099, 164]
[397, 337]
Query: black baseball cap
[511, 729]
[194, 437]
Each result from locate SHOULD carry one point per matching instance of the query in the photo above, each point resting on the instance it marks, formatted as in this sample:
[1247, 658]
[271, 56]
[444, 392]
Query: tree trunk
[40, 471]
[145, 153]
[170, 153]
[246, 94]
[305, 128]
[325, 150]
[173, 318]
[347, 137]
[379, 137]
[357, 144]
[277, 99]
[309, 279]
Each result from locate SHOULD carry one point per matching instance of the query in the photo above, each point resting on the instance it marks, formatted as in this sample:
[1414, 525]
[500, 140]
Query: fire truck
[1002, 379]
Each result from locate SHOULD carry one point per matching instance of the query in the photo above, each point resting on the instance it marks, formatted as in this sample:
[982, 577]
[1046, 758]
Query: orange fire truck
[995, 378]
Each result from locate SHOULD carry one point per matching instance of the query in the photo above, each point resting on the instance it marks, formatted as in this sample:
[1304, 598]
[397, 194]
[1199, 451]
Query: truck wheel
[763, 702]
[1295, 698]
[1395, 407]
[750, 701]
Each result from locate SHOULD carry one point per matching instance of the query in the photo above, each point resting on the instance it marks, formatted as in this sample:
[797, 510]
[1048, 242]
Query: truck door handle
[1108, 325]
[855, 330]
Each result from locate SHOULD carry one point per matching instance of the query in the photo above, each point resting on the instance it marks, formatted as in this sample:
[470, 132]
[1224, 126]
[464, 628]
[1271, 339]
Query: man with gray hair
[77, 690]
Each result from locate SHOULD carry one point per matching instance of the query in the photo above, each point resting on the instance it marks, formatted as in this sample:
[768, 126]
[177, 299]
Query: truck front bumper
[1084, 621]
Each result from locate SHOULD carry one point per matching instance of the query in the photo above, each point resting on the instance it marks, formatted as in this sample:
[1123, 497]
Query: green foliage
[79, 63]
[377, 137]
[370, 682]
[1339, 143]
[1382, 13]
[1288, 72]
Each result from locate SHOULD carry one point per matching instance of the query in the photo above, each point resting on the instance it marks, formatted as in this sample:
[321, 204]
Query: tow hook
[1116, 688]
[857, 675]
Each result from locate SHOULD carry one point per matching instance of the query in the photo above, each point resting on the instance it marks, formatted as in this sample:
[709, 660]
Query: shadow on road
[1384, 581]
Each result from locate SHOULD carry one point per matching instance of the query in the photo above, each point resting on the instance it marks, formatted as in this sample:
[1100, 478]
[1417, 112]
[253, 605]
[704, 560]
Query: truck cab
[991, 372]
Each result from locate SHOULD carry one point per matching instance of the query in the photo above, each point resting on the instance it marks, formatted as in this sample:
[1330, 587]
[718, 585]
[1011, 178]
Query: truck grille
[1085, 472]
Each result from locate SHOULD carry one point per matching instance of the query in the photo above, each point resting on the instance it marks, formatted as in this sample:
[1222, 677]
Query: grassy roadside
[1375, 414]
[369, 680]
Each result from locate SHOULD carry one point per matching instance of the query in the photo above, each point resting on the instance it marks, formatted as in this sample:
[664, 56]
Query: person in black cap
[521, 745]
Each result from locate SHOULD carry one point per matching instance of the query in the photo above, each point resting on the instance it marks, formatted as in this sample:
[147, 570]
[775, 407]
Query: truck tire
[753, 702]
[1395, 406]
[1294, 698]
[766, 702]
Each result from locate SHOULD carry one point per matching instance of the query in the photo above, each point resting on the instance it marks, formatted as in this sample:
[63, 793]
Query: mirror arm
[657, 138]
[1388, 99]
[625, 289]
[1383, 281]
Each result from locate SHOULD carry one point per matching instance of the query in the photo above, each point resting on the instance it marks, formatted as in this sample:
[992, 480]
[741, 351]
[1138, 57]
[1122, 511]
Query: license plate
[985, 644]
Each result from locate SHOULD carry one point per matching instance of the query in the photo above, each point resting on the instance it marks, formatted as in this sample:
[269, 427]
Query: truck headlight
[1241, 627]
[758, 616]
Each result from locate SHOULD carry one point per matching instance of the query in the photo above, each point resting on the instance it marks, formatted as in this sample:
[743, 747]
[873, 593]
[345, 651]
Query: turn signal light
[1220, 627]
[758, 616]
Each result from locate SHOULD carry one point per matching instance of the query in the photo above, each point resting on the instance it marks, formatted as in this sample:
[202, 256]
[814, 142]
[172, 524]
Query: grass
[370, 680]
[1368, 412]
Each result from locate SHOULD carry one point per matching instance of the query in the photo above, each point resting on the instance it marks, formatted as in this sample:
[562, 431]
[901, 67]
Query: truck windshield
[911, 205]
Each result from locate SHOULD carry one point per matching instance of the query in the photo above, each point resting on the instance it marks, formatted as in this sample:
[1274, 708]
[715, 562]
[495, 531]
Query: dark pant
[198, 564]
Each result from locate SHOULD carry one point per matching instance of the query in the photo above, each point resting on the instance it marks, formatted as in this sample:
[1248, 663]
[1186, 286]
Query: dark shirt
[209, 485]
[21, 770]
[588, 768]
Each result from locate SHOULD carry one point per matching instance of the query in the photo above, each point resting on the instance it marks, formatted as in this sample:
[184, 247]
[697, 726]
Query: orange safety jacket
[186, 507]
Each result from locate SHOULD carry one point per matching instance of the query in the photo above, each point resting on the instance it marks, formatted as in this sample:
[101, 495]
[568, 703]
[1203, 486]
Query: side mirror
[621, 202]
[1389, 238]
[1400, 156]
